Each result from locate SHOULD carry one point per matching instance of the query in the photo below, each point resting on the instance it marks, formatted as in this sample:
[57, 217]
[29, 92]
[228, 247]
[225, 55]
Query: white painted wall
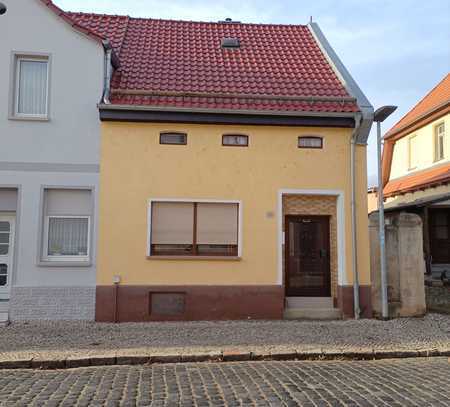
[27, 271]
[71, 136]
[425, 147]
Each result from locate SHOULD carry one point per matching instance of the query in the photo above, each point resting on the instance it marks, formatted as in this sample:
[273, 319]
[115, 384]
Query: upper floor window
[310, 142]
[439, 142]
[31, 87]
[173, 138]
[237, 140]
[413, 155]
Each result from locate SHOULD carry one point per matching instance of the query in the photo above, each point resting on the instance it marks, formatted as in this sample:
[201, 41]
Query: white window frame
[60, 258]
[190, 200]
[436, 142]
[410, 164]
[15, 110]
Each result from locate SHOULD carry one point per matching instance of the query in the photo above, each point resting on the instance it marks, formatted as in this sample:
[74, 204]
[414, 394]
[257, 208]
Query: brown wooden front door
[307, 258]
[440, 235]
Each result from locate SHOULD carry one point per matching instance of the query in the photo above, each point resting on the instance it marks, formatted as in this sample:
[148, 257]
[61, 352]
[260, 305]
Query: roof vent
[230, 43]
[229, 21]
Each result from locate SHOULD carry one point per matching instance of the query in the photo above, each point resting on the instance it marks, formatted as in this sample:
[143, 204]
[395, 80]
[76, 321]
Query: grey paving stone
[392, 382]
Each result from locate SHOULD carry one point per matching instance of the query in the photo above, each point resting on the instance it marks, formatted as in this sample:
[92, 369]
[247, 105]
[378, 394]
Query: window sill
[221, 258]
[62, 263]
[30, 118]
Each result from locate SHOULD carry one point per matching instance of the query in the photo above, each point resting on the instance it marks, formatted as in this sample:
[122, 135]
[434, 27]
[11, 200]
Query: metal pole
[384, 296]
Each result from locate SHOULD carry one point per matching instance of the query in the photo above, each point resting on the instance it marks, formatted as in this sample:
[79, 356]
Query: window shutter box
[61, 202]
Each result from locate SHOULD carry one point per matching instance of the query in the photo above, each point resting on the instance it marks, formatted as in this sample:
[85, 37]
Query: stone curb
[225, 356]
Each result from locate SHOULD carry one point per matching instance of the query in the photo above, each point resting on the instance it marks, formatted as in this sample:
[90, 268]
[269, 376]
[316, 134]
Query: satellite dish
[2, 9]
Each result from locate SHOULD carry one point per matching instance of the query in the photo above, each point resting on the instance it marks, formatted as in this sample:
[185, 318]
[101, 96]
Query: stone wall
[438, 298]
[317, 205]
[52, 303]
[405, 265]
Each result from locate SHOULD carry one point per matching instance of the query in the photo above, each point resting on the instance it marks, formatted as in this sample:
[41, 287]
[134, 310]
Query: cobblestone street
[401, 382]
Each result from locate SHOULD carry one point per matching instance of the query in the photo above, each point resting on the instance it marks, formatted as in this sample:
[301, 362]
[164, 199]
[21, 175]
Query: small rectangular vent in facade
[166, 303]
[230, 43]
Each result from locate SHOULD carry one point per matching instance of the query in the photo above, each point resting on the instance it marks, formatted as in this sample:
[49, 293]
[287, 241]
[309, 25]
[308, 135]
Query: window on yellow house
[194, 229]
[235, 140]
[439, 142]
[412, 152]
[310, 142]
[173, 138]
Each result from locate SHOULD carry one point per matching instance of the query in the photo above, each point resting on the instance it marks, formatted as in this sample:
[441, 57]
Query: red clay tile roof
[419, 180]
[113, 28]
[435, 99]
[181, 63]
[68, 19]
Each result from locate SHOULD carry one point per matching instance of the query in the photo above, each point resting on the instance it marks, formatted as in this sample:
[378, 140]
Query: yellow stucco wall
[425, 147]
[135, 168]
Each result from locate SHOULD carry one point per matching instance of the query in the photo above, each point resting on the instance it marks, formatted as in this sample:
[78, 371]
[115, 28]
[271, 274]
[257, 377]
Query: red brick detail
[345, 301]
[202, 303]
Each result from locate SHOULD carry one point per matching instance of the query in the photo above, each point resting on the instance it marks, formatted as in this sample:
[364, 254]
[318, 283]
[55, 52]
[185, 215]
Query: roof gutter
[104, 106]
[347, 81]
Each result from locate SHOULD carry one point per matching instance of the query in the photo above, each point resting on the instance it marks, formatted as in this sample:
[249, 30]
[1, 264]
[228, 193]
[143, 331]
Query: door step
[312, 313]
[309, 302]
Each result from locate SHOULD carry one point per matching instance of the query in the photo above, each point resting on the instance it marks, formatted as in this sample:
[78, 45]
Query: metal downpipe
[108, 74]
[356, 302]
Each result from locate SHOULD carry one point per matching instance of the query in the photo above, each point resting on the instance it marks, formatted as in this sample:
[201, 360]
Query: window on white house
[439, 142]
[413, 154]
[194, 229]
[67, 225]
[31, 87]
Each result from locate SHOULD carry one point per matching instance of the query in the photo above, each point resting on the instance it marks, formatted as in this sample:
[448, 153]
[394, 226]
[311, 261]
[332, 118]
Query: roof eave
[107, 106]
[139, 113]
[347, 81]
[433, 114]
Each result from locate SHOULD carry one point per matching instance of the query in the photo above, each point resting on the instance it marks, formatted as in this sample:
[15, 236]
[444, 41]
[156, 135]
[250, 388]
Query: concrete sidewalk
[74, 344]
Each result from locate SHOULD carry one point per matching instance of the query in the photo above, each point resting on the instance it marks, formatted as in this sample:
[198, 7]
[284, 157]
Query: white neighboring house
[52, 77]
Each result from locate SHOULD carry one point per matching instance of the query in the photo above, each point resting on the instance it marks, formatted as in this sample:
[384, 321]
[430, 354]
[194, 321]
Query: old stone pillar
[405, 265]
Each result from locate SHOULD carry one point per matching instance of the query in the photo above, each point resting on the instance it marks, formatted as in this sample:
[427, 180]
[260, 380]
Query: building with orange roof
[416, 170]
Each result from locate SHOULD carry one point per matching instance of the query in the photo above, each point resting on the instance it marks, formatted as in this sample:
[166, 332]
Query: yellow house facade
[214, 211]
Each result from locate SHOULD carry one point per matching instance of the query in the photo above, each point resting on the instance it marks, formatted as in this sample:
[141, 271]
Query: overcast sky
[397, 50]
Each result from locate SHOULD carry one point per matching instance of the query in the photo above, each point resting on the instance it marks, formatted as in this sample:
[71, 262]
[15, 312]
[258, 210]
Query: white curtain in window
[217, 223]
[32, 87]
[68, 236]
